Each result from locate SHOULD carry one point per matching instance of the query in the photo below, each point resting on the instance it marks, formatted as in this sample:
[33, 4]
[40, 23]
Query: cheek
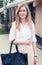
[23, 14]
[20, 14]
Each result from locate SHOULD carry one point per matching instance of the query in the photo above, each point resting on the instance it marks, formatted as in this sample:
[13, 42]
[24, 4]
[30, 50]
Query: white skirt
[29, 50]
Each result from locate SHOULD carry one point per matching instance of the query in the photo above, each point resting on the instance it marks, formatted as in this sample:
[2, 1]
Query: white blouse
[24, 33]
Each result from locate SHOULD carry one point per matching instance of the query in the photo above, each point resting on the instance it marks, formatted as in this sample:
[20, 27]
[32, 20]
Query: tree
[1, 3]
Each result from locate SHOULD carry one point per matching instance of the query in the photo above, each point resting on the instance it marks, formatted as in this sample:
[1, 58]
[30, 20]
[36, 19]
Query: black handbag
[16, 58]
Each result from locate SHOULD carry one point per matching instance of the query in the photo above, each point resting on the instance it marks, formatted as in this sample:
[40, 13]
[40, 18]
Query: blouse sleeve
[12, 32]
[33, 35]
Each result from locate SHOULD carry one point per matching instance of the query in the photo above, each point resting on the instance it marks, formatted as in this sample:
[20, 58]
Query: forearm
[28, 42]
[34, 49]
[18, 42]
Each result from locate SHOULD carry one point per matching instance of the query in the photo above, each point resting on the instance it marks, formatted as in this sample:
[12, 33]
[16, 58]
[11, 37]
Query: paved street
[5, 45]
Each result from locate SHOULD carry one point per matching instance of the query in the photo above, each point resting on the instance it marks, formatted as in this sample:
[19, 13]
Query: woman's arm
[35, 53]
[34, 48]
[28, 42]
[12, 32]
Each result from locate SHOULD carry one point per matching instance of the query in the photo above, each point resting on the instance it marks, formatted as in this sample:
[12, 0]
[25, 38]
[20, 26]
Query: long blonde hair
[28, 18]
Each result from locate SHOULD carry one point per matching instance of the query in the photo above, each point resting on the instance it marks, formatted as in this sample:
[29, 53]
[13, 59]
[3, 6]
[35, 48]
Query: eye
[22, 10]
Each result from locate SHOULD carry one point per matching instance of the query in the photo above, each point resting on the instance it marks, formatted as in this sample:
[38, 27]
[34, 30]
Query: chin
[23, 17]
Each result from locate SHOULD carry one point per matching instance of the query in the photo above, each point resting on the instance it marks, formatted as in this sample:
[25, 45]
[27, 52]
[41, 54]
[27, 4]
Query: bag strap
[15, 47]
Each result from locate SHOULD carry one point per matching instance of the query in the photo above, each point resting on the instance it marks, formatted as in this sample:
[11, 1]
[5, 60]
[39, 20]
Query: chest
[24, 32]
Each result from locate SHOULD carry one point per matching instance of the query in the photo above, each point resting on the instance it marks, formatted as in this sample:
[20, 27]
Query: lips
[23, 15]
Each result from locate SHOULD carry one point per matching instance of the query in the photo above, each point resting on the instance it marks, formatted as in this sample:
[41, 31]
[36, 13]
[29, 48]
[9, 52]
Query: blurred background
[7, 16]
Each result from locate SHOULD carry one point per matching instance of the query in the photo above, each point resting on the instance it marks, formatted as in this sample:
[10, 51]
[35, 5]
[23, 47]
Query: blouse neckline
[24, 24]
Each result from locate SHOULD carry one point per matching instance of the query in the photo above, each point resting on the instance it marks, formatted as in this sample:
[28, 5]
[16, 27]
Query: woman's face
[22, 12]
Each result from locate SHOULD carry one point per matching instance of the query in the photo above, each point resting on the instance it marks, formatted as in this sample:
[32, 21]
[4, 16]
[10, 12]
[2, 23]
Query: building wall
[38, 20]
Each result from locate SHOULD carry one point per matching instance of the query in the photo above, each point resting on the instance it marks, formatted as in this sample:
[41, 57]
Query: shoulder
[13, 23]
[33, 26]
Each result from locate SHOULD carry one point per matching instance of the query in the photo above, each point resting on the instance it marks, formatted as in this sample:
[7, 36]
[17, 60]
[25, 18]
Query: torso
[24, 33]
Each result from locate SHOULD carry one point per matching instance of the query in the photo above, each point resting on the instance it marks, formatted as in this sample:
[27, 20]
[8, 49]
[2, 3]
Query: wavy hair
[28, 17]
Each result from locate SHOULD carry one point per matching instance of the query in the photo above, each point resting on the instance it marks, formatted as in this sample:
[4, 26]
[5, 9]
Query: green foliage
[2, 31]
[11, 0]
[1, 3]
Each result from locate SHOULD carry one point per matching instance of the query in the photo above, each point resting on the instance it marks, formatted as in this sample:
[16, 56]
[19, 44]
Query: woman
[23, 32]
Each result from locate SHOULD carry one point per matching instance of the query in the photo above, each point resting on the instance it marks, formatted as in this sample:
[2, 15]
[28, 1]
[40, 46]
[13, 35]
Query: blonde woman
[23, 32]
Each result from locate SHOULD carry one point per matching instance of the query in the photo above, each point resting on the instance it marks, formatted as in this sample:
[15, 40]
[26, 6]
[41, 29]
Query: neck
[23, 21]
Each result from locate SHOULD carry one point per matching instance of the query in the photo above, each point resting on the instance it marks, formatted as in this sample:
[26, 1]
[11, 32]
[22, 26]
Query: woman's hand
[35, 60]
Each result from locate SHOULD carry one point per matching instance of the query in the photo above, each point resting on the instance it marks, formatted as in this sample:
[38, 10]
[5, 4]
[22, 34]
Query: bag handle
[15, 47]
